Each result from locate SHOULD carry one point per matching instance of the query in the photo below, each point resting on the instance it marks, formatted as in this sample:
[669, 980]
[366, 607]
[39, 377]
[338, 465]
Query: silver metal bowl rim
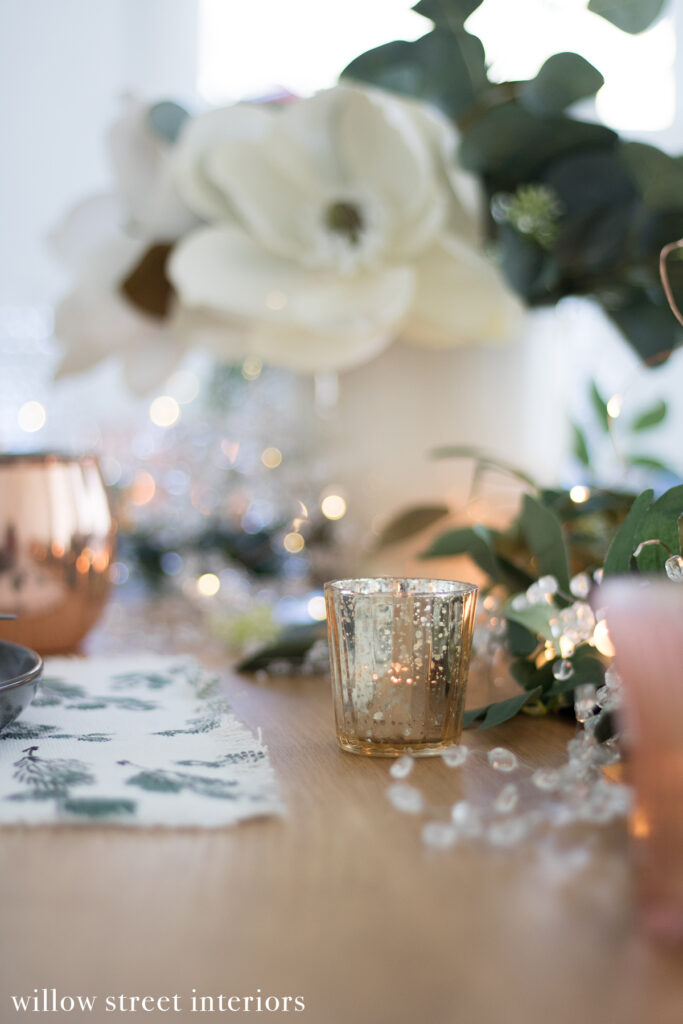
[25, 677]
[40, 457]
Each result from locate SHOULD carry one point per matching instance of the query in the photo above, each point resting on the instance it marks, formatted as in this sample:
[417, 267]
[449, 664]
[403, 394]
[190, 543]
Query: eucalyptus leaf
[536, 618]
[629, 15]
[580, 445]
[662, 523]
[447, 13]
[410, 522]
[293, 645]
[465, 451]
[521, 640]
[648, 462]
[543, 533]
[658, 176]
[565, 78]
[508, 144]
[649, 327]
[651, 417]
[501, 711]
[166, 119]
[600, 406]
[394, 66]
[626, 539]
[474, 541]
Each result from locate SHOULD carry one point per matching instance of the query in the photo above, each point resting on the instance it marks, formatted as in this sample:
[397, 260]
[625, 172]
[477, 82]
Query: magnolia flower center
[345, 218]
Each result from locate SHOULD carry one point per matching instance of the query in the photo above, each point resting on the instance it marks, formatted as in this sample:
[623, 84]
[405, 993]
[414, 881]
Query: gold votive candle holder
[399, 657]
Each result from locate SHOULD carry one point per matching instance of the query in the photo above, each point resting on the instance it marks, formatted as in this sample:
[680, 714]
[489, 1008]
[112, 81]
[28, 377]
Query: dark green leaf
[651, 417]
[600, 406]
[292, 646]
[496, 714]
[629, 15]
[521, 641]
[447, 13]
[565, 78]
[627, 537]
[530, 269]
[543, 533]
[411, 522]
[443, 67]
[474, 541]
[587, 669]
[650, 328]
[661, 523]
[580, 446]
[509, 144]
[166, 119]
[394, 66]
[658, 176]
[529, 677]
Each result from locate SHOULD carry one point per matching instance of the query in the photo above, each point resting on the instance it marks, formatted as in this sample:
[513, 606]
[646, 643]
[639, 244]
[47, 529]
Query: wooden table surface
[339, 903]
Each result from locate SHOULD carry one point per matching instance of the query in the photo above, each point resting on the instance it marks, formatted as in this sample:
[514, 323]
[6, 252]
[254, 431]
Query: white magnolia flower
[94, 320]
[336, 225]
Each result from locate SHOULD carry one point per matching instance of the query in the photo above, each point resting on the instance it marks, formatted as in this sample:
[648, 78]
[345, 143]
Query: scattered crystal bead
[466, 819]
[520, 603]
[535, 595]
[455, 756]
[402, 768]
[439, 835]
[507, 832]
[507, 799]
[547, 779]
[563, 669]
[584, 701]
[405, 798]
[674, 568]
[502, 760]
[598, 575]
[547, 585]
[580, 585]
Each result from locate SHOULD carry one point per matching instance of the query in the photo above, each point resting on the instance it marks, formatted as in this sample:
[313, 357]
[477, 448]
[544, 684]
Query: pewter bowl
[20, 669]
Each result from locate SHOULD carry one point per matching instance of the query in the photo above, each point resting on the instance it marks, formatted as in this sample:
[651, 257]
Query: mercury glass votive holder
[399, 655]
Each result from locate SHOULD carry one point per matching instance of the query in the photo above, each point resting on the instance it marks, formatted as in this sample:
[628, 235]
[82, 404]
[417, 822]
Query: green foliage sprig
[575, 209]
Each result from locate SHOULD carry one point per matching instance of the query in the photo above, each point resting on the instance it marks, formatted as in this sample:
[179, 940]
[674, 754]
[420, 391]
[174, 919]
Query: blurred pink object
[646, 627]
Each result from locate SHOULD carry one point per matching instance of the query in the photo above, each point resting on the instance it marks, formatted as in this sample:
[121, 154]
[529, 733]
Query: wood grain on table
[339, 903]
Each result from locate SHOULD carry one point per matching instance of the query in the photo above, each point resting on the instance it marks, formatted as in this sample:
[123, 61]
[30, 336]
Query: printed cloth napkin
[145, 740]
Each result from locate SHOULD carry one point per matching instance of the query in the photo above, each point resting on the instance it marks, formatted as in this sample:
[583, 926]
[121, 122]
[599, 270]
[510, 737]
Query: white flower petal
[88, 225]
[141, 163]
[383, 151]
[271, 204]
[461, 298]
[224, 270]
[198, 137]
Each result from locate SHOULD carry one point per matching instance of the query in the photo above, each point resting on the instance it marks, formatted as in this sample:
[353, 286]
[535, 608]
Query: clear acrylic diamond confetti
[503, 760]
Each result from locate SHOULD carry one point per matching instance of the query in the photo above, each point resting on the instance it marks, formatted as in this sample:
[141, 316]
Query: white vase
[509, 401]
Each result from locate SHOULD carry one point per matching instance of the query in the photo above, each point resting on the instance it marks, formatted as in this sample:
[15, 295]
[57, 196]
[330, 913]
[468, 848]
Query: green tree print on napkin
[49, 778]
[160, 780]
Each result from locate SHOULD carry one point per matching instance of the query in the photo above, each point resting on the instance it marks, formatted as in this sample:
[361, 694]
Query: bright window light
[640, 89]
[255, 49]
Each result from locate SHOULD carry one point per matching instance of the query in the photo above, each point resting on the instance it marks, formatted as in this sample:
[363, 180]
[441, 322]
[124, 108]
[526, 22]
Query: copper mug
[56, 547]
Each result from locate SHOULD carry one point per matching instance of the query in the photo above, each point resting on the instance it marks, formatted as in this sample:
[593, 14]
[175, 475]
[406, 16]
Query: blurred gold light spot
[208, 584]
[276, 300]
[333, 506]
[293, 543]
[251, 368]
[82, 563]
[164, 411]
[316, 608]
[614, 407]
[640, 824]
[31, 417]
[271, 458]
[579, 494]
[602, 641]
[143, 488]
